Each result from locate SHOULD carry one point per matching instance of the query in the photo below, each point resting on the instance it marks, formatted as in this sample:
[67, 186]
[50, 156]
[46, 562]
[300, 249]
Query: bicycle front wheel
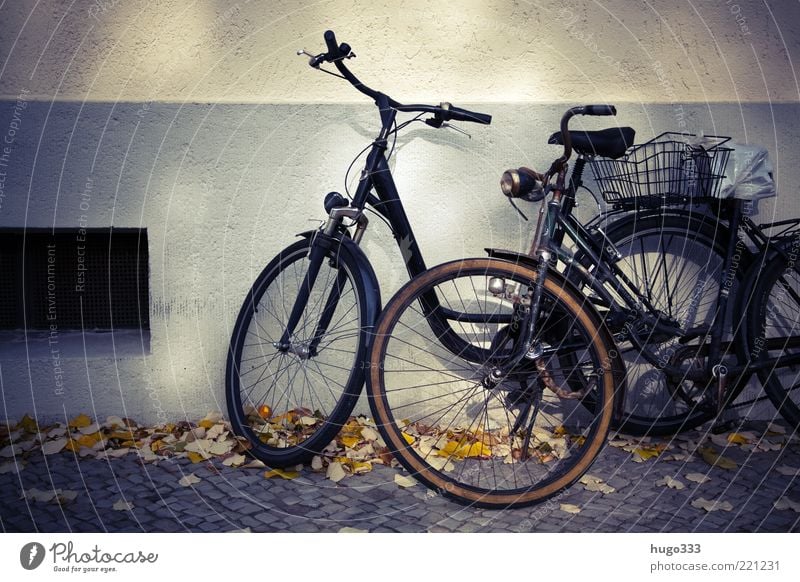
[290, 404]
[774, 332]
[492, 444]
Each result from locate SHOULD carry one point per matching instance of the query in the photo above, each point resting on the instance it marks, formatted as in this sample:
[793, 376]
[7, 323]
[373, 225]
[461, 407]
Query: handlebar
[337, 53]
[567, 139]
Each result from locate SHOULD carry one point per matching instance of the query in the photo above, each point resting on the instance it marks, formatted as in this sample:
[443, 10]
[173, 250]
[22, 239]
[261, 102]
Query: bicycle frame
[377, 177]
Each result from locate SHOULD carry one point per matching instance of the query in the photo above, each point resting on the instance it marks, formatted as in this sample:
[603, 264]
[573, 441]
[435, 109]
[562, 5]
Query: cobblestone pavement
[228, 499]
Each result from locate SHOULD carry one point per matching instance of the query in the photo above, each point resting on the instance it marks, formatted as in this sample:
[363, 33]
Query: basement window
[74, 279]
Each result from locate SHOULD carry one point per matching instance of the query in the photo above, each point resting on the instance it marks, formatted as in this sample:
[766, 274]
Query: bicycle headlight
[522, 183]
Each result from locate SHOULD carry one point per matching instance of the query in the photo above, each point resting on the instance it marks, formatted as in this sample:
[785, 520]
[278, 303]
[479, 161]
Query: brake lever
[458, 129]
[313, 60]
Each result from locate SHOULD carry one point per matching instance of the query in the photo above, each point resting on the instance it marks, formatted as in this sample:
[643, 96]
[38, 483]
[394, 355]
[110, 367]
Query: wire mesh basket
[670, 168]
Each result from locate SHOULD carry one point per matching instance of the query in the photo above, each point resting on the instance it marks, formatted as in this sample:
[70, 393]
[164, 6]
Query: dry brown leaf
[336, 472]
[122, 505]
[80, 421]
[55, 446]
[786, 503]
[404, 481]
[281, 473]
[714, 459]
[189, 480]
[712, 505]
[234, 460]
[698, 478]
[671, 483]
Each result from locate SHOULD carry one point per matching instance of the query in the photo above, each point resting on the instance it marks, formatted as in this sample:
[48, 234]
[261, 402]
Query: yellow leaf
[87, 440]
[350, 441]
[359, 467]
[408, 437]
[155, 445]
[645, 453]
[738, 439]
[560, 430]
[451, 449]
[72, 446]
[206, 424]
[80, 421]
[475, 450]
[714, 459]
[123, 435]
[28, 424]
[195, 457]
[282, 474]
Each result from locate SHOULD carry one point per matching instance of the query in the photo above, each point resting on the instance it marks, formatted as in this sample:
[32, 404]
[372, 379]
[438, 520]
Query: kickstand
[536, 404]
[721, 373]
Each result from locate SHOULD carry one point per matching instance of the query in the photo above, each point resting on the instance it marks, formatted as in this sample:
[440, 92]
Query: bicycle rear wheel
[774, 331]
[512, 443]
[290, 404]
[677, 263]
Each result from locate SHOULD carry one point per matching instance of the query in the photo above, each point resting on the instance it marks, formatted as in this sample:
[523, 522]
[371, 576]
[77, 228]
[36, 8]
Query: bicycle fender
[532, 263]
[354, 252]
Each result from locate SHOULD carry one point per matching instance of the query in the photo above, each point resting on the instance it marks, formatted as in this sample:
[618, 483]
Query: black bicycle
[295, 364]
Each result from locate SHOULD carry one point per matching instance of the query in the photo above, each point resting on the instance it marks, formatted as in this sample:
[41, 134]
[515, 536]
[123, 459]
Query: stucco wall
[198, 122]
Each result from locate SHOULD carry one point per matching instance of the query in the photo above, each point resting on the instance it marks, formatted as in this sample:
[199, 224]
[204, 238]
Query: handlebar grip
[330, 41]
[599, 110]
[458, 114]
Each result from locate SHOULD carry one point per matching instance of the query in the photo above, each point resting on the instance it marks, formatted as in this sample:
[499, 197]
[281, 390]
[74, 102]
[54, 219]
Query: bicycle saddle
[609, 143]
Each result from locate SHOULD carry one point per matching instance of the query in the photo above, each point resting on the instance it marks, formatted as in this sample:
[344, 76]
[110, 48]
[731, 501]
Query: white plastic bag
[748, 173]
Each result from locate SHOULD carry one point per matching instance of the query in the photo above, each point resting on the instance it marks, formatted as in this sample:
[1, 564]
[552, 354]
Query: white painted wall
[197, 122]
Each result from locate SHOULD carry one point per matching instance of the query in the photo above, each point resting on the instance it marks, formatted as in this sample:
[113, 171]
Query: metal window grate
[75, 279]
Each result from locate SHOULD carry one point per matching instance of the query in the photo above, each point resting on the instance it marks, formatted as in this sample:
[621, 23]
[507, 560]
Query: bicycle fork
[322, 242]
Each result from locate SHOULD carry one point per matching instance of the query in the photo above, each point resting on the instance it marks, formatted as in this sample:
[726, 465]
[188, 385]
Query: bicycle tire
[302, 415]
[692, 249]
[493, 470]
[774, 312]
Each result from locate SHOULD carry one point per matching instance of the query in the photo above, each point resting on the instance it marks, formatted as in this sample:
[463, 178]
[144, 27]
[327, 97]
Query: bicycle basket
[669, 169]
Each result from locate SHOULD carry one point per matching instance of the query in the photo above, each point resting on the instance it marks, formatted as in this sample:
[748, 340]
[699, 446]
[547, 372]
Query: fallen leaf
[90, 429]
[195, 457]
[738, 438]
[188, 480]
[234, 460]
[408, 437]
[786, 503]
[28, 425]
[698, 478]
[569, 508]
[80, 421]
[714, 459]
[254, 464]
[671, 483]
[787, 470]
[39, 495]
[335, 472]
[352, 530]
[66, 496]
[644, 453]
[369, 434]
[122, 505]
[281, 473]
[350, 441]
[56, 432]
[404, 481]
[316, 463]
[775, 428]
[715, 505]
[52, 447]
